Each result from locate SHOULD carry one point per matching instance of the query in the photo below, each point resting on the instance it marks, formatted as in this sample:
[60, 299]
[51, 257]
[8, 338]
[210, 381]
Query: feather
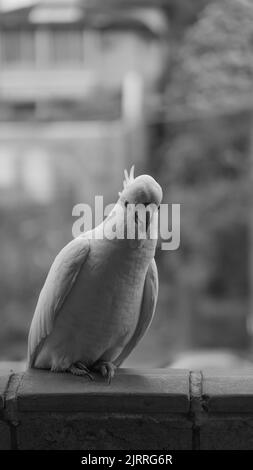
[129, 179]
[150, 293]
[59, 283]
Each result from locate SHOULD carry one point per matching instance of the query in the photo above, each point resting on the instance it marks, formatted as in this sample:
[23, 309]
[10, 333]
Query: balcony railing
[140, 410]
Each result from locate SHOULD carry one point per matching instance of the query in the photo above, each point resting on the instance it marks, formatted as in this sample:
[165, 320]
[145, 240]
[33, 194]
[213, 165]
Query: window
[66, 46]
[18, 47]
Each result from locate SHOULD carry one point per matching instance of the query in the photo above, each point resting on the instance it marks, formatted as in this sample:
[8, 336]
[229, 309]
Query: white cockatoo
[100, 295]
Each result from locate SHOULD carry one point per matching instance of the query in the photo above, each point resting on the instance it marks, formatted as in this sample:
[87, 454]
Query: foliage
[204, 165]
[214, 68]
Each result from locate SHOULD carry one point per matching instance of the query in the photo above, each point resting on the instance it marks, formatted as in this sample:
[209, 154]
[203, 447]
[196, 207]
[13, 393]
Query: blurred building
[61, 51]
[64, 92]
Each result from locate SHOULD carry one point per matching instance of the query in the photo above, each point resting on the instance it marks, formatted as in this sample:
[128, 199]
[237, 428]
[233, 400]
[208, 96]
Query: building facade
[63, 51]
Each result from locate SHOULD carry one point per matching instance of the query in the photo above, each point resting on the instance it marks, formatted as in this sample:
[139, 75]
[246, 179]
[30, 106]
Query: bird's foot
[81, 370]
[106, 369]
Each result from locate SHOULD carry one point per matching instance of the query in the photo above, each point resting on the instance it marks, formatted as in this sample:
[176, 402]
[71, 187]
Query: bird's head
[140, 190]
[141, 198]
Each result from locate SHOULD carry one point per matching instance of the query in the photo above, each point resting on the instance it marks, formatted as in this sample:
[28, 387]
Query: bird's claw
[81, 370]
[106, 369]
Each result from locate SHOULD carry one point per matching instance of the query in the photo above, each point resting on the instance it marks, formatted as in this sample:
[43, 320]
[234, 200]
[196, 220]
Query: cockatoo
[100, 295]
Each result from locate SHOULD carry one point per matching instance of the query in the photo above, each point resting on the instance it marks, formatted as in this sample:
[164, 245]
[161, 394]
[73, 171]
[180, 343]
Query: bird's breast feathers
[100, 314]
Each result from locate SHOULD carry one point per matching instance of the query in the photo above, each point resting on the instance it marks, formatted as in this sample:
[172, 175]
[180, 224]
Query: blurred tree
[203, 163]
[200, 156]
[204, 285]
[214, 68]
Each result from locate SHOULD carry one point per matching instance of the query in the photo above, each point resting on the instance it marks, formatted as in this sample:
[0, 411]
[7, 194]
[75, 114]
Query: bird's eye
[126, 203]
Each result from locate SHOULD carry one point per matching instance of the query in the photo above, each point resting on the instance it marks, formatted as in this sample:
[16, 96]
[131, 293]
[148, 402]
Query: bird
[100, 295]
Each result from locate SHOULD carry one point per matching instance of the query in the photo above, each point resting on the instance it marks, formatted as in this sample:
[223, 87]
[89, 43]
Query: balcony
[142, 409]
[29, 84]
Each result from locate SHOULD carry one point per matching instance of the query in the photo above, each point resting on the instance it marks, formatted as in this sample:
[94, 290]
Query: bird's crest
[129, 179]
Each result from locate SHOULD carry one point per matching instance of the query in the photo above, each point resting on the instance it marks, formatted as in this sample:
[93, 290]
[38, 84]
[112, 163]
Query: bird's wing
[148, 306]
[59, 282]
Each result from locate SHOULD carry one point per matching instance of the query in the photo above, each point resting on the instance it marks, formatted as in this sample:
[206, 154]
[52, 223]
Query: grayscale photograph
[126, 231]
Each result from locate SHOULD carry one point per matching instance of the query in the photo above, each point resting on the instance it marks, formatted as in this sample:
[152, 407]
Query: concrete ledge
[140, 410]
[131, 391]
[227, 418]
[5, 442]
[229, 392]
[226, 432]
[103, 431]
[4, 379]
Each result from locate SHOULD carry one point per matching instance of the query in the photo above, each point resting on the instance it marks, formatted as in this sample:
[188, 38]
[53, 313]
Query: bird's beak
[148, 218]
